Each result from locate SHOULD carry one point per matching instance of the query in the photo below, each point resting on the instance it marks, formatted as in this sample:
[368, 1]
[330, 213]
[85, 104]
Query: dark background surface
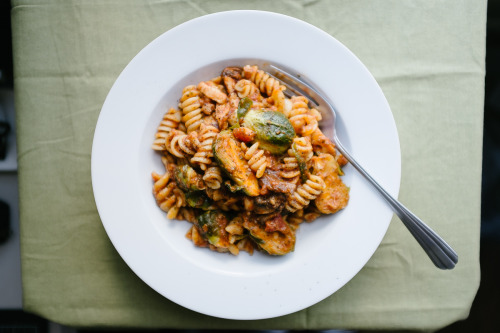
[485, 312]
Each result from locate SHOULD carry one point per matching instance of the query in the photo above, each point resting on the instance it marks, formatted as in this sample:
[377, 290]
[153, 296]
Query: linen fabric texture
[427, 56]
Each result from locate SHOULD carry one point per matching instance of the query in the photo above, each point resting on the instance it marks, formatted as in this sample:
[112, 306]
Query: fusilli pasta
[179, 143]
[256, 159]
[303, 148]
[191, 108]
[290, 168]
[266, 83]
[213, 177]
[169, 198]
[305, 193]
[303, 121]
[170, 121]
[203, 156]
[246, 88]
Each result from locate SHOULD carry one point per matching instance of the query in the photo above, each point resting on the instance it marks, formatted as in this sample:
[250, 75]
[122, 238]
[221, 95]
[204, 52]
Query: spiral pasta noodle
[305, 193]
[170, 121]
[180, 144]
[246, 88]
[213, 177]
[187, 214]
[303, 148]
[169, 198]
[256, 159]
[191, 108]
[290, 168]
[204, 154]
[301, 118]
[266, 83]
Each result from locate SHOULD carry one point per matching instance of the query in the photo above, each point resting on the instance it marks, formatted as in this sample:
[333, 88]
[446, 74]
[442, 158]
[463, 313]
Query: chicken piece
[234, 101]
[210, 121]
[336, 194]
[322, 143]
[222, 115]
[212, 91]
[229, 83]
[244, 134]
[341, 160]
[207, 106]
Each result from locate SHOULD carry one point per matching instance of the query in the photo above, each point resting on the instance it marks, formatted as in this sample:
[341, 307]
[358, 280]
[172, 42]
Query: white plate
[329, 251]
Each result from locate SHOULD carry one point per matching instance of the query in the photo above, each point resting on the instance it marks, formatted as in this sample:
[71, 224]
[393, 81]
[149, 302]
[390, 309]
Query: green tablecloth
[429, 59]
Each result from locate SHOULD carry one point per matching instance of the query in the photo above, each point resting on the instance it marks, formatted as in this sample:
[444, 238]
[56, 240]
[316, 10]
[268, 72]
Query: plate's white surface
[329, 251]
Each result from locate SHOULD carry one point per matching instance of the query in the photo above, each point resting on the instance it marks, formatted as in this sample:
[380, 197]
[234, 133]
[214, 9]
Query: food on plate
[245, 164]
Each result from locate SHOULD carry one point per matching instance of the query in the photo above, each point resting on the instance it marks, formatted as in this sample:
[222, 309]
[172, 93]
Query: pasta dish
[245, 164]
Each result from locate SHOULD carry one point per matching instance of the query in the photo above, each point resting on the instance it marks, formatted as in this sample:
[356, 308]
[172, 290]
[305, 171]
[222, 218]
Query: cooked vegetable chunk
[212, 225]
[230, 157]
[274, 132]
[278, 242]
[243, 108]
[198, 199]
[188, 179]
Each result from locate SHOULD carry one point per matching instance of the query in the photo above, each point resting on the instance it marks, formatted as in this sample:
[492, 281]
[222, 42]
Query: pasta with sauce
[245, 165]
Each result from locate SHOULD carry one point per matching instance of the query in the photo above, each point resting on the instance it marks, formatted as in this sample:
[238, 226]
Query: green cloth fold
[429, 59]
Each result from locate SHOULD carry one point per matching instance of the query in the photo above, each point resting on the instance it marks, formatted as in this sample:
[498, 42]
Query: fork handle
[441, 254]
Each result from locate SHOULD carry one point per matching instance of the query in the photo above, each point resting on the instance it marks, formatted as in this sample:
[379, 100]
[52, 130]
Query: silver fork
[441, 254]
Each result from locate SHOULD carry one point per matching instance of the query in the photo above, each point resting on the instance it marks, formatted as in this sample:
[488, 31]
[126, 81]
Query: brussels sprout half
[188, 179]
[275, 243]
[229, 156]
[211, 225]
[274, 132]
